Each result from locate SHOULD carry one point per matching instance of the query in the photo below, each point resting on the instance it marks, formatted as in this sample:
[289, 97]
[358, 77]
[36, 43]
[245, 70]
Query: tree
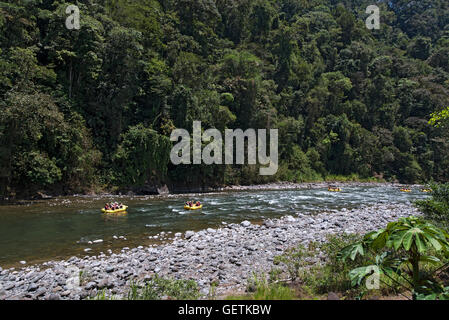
[440, 119]
[142, 155]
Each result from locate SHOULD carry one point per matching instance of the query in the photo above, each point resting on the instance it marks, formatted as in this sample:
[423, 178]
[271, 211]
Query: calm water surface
[61, 227]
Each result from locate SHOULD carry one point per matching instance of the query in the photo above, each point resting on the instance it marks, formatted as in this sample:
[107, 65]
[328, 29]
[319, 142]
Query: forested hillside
[94, 108]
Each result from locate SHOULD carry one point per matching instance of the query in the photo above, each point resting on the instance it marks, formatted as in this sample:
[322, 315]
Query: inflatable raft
[193, 207]
[123, 209]
[406, 190]
[334, 189]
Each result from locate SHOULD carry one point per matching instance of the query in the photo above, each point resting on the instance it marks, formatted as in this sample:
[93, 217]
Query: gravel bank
[228, 255]
[316, 185]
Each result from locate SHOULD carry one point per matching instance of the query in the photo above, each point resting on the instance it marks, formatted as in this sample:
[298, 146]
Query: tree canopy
[95, 106]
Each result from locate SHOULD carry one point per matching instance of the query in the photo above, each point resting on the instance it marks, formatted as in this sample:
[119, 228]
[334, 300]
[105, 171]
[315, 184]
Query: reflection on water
[115, 216]
[63, 227]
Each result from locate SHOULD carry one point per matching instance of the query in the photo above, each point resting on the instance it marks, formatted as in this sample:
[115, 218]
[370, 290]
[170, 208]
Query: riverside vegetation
[92, 109]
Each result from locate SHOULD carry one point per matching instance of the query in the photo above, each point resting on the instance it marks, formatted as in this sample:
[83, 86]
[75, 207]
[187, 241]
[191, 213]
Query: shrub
[320, 278]
[436, 209]
[260, 288]
[160, 288]
[404, 249]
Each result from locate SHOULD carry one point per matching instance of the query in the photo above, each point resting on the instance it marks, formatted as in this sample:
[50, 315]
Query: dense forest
[93, 109]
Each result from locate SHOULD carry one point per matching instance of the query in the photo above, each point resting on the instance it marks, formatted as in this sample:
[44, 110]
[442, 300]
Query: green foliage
[157, 288]
[43, 146]
[260, 288]
[142, 154]
[440, 118]
[436, 209]
[347, 101]
[334, 275]
[102, 295]
[265, 291]
[329, 275]
[292, 260]
[409, 242]
[38, 169]
[442, 294]
[160, 288]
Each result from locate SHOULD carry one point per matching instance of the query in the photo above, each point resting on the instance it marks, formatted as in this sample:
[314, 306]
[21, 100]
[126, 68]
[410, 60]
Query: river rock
[332, 296]
[40, 292]
[245, 223]
[105, 283]
[32, 287]
[54, 296]
[110, 269]
[9, 286]
[90, 285]
[189, 234]
[65, 293]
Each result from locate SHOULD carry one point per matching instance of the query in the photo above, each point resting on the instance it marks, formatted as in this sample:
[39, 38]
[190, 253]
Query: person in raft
[198, 203]
[113, 206]
[189, 203]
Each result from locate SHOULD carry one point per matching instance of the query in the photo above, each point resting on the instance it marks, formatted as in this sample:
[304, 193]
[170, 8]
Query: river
[38, 231]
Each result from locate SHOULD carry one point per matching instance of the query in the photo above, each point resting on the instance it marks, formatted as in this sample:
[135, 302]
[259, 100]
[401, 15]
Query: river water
[62, 227]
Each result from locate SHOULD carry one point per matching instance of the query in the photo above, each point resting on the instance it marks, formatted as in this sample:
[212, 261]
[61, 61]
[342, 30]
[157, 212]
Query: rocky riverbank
[164, 191]
[316, 185]
[227, 256]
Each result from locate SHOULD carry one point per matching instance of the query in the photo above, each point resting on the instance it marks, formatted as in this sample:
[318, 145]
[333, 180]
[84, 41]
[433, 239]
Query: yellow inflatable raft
[193, 207]
[406, 190]
[334, 189]
[426, 190]
[123, 209]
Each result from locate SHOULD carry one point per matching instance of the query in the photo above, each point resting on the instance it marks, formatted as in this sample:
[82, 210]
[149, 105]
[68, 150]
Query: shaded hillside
[95, 106]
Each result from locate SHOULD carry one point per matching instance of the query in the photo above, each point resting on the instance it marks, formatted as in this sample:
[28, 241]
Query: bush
[321, 278]
[260, 288]
[159, 288]
[408, 249]
[142, 154]
[333, 275]
[436, 209]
